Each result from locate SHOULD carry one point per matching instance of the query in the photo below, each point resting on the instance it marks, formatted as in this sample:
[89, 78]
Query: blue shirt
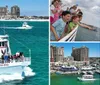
[59, 26]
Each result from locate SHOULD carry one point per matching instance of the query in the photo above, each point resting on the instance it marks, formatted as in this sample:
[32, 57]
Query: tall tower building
[3, 11]
[15, 11]
[57, 53]
[80, 54]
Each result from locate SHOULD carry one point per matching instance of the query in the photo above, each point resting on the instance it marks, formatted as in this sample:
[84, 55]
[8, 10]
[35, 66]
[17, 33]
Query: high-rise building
[3, 11]
[80, 54]
[15, 11]
[57, 53]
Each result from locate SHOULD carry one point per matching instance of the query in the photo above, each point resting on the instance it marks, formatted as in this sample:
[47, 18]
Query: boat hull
[24, 27]
[11, 69]
[82, 79]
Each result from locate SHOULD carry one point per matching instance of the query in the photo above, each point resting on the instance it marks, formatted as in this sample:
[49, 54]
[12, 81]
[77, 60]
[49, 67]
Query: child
[73, 23]
[83, 25]
[74, 10]
[58, 27]
[55, 11]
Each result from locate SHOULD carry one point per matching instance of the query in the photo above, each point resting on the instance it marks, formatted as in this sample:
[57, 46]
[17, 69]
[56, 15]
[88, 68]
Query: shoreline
[38, 20]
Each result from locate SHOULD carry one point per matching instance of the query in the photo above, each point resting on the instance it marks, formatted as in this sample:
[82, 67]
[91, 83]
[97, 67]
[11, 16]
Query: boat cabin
[4, 45]
[88, 76]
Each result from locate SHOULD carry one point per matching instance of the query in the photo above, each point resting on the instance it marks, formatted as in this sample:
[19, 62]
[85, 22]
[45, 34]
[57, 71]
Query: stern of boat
[27, 61]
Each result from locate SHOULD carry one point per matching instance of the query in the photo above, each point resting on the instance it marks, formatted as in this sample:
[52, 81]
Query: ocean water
[84, 34]
[35, 39]
[72, 80]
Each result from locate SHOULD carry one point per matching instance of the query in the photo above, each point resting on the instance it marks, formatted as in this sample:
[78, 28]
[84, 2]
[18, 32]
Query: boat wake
[24, 28]
[16, 76]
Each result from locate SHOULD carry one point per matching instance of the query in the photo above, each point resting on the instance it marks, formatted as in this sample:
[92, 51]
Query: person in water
[57, 28]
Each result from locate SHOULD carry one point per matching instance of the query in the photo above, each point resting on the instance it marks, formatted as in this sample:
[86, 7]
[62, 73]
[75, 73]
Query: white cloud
[90, 9]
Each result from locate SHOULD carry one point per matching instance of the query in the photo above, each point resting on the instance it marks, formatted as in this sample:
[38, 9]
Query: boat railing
[71, 36]
[25, 59]
[4, 36]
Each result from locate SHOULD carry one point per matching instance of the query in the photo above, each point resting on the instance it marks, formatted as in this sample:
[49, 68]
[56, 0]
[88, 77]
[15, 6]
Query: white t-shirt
[52, 8]
[72, 10]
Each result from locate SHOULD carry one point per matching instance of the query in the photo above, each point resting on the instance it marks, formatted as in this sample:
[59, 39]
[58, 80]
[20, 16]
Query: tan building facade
[57, 53]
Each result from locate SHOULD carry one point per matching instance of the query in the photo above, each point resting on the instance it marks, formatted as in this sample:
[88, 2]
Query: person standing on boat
[57, 28]
[21, 56]
[5, 58]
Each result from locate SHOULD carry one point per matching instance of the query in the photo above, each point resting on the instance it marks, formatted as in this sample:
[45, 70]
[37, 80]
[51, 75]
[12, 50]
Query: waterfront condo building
[15, 11]
[57, 53]
[3, 11]
[80, 54]
[6, 14]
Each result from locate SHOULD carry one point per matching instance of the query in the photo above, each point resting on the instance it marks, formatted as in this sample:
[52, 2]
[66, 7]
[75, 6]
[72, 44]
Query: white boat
[25, 26]
[86, 78]
[87, 68]
[88, 72]
[11, 64]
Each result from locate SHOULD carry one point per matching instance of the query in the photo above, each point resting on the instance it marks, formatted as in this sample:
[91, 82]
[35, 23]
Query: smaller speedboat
[86, 77]
[25, 26]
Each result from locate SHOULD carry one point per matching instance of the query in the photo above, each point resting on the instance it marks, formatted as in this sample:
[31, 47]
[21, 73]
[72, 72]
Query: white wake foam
[16, 27]
[16, 76]
[28, 72]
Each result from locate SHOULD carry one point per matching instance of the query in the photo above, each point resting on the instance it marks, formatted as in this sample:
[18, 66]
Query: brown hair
[74, 17]
[79, 15]
[55, 1]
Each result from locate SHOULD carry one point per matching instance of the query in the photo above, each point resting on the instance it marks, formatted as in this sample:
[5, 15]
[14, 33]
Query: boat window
[0, 44]
[3, 43]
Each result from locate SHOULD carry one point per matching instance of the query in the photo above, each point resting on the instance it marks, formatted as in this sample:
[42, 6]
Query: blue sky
[29, 7]
[94, 48]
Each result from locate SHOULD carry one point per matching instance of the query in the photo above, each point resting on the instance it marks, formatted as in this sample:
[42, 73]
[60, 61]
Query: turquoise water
[84, 34]
[37, 40]
[72, 80]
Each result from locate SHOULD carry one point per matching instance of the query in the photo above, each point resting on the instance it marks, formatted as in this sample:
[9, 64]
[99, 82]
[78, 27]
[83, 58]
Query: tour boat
[86, 77]
[11, 64]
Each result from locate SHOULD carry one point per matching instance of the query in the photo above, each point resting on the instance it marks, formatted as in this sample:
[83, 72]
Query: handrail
[25, 59]
[4, 36]
[71, 36]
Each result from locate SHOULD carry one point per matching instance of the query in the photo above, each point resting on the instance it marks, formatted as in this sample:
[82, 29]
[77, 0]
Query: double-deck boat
[10, 64]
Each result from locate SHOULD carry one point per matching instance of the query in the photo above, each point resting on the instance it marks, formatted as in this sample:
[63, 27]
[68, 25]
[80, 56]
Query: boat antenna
[4, 29]
[23, 46]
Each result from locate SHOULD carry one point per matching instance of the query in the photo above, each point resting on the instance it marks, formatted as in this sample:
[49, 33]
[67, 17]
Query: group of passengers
[63, 22]
[7, 58]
